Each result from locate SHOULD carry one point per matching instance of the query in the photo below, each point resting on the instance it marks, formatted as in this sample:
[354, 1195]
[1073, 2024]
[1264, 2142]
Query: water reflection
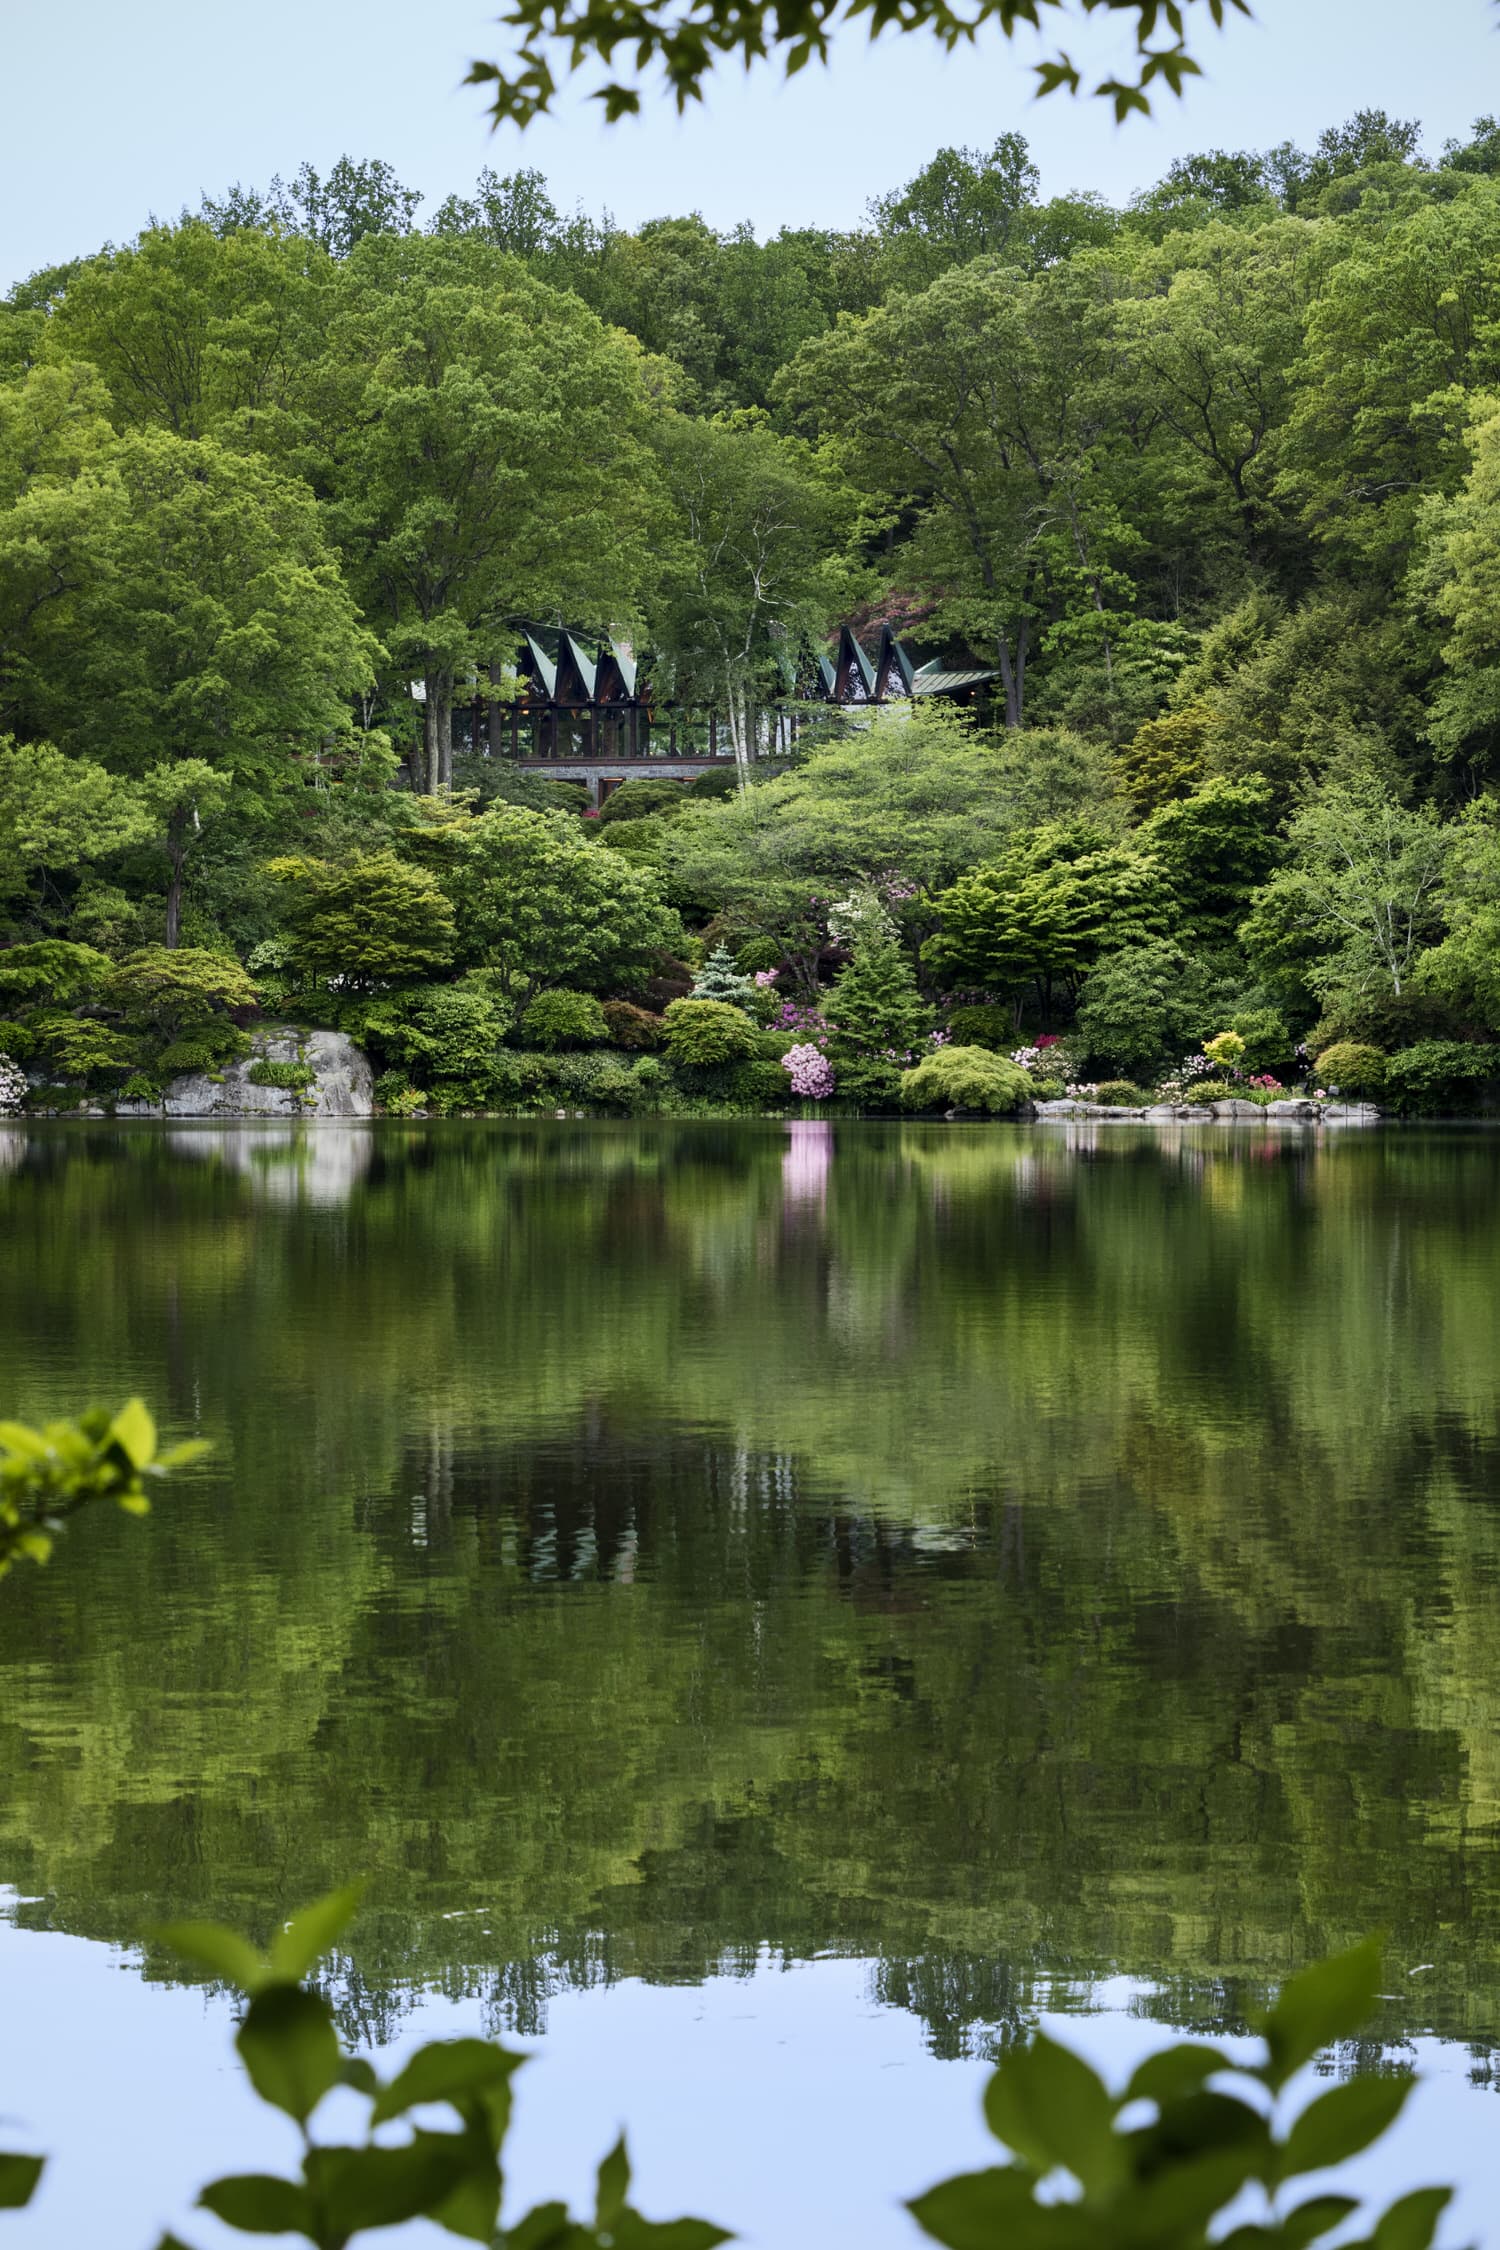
[1054, 1559]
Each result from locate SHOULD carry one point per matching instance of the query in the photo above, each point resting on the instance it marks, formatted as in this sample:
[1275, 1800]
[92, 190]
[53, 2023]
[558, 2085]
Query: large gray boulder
[341, 1084]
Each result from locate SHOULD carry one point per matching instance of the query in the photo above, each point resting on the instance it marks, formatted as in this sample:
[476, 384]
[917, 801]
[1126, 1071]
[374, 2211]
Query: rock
[1292, 1112]
[1062, 1109]
[1235, 1110]
[1161, 1113]
[342, 1084]
[1348, 1113]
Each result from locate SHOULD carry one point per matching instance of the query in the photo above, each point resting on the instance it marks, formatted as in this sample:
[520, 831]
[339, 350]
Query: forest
[1209, 485]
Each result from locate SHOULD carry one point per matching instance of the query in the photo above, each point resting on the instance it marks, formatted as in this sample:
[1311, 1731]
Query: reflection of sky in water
[787, 2104]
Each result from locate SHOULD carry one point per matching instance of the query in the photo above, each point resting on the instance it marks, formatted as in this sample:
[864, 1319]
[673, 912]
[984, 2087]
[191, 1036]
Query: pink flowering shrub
[765, 978]
[811, 1072]
[791, 1016]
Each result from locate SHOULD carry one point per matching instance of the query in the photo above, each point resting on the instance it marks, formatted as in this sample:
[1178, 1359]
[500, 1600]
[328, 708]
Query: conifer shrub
[879, 1022]
[556, 1020]
[982, 1025]
[1121, 1093]
[1352, 1067]
[704, 1032]
[719, 979]
[636, 1029]
[966, 1078]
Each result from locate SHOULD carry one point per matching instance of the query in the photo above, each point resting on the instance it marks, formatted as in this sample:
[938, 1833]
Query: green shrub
[638, 839]
[559, 1019]
[966, 1078]
[714, 781]
[758, 953]
[634, 1028]
[1353, 1068]
[1268, 1043]
[207, 1048]
[139, 1088]
[639, 799]
[1119, 1093]
[396, 1094]
[439, 1031]
[708, 1031]
[291, 1076]
[1205, 1090]
[982, 1025]
[758, 1084]
[1439, 1074]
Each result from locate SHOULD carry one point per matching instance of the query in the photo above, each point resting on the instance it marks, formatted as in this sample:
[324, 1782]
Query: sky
[113, 114]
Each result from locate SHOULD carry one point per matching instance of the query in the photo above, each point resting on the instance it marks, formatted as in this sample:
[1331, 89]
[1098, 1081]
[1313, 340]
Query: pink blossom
[811, 1072]
[765, 977]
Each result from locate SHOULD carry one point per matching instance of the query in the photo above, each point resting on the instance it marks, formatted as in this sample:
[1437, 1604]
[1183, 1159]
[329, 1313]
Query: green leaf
[135, 1433]
[1342, 2122]
[290, 2048]
[1175, 2071]
[541, 2228]
[1411, 2223]
[259, 2203]
[356, 2072]
[1185, 2195]
[309, 1934]
[1324, 2003]
[1048, 2107]
[632, 2232]
[976, 2210]
[29, 1444]
[1319, 2215]
[18, 2178]
[472, 2207]
[382, 2187]
[208, 1945]
[447, 2070]
[614, 2186]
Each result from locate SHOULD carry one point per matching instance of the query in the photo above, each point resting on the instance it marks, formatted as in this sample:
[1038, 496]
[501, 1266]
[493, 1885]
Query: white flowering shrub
[12, 1086]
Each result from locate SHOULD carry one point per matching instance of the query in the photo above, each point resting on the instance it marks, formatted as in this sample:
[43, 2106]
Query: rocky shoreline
[1290, 1112]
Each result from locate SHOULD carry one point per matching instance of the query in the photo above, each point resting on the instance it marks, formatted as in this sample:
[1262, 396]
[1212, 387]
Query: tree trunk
[176, 853]
[437, 730]
[1013, 672]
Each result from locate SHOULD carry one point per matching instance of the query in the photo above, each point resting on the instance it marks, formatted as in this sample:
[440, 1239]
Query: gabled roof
[543, 669]
[933, 680]
[587, 665]
[893, 670]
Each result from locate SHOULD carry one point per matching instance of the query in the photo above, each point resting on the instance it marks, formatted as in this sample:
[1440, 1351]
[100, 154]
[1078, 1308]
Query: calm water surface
[774, 1611]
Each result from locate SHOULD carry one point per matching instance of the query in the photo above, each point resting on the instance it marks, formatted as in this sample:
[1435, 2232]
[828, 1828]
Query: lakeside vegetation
[1211, 484]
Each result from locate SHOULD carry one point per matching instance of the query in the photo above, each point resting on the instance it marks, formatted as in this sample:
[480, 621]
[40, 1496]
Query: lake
[773, 1611]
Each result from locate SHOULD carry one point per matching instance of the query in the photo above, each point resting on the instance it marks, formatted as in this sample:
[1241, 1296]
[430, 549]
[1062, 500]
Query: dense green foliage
[1208, 486]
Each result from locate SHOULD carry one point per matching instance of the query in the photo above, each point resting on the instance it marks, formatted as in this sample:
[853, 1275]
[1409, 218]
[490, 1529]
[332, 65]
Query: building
[579, 710]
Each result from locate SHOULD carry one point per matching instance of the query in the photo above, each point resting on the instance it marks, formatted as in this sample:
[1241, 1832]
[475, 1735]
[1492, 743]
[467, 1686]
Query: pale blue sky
[112, 113]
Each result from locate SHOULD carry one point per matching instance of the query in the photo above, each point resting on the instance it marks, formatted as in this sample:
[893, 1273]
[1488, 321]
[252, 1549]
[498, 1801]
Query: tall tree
[484, 451]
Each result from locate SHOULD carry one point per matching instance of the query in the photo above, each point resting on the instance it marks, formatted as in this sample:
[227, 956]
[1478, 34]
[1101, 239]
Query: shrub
[12, 1086]
[982, 1025]
[635, 1028]
[1226, 1050]
[206, 1049]
[139, 1088]
[758, 953]
[638, 799]
[367, 922]
[1353, 1068]
[290, 1076]
[1120, 1093]
[441, 1031]
[966, 1078]
[713, 782]
[708, 1031]
[1268, 1043]
[1439, 1074]
[719, 979]
[559, 1019]
[879, 1021]
[809, 1072]
[759, 1084]
[1206, 1090]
